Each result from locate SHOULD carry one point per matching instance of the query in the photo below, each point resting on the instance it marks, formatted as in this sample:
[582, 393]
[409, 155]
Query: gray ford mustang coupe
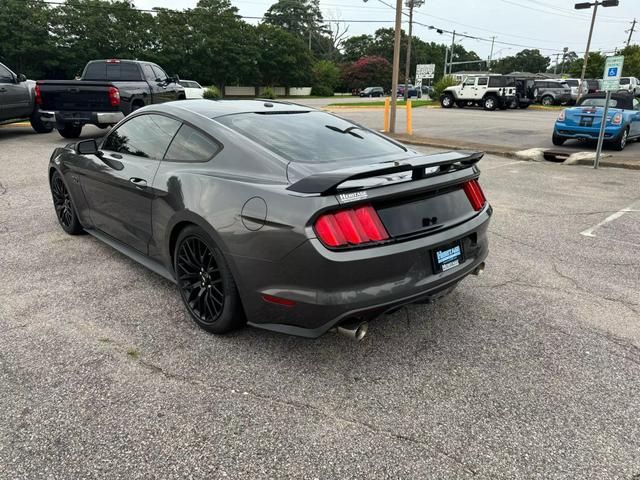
[274, 214]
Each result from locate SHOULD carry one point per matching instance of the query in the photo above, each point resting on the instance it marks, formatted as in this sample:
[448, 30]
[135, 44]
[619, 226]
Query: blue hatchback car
[583, 121]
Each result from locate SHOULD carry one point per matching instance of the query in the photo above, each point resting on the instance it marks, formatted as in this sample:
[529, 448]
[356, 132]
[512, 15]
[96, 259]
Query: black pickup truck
[107, 91]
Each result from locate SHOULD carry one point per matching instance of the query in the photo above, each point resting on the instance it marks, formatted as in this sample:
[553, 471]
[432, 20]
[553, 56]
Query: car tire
[621, 142]
[206, 285]
[63, 205]
[70, 131]
[38, 125]
[547, 101]
[557, 140]
[447, 101]
[490, 102]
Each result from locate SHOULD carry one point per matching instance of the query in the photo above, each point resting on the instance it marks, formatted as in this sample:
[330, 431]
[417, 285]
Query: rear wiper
[349, 130]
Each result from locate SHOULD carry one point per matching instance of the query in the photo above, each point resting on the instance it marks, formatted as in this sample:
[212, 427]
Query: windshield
[310, 137]
[573, 83]
[598, 102]
[625, 81]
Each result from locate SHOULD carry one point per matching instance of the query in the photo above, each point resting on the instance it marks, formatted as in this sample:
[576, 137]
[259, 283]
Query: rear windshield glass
[598, 102]
[625, 81]
[310, 137]
[122, 71]
[573, 83]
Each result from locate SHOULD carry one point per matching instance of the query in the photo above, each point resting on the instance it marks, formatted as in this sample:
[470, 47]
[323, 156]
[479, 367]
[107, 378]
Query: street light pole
[595, 5]
[396, 67]
[453, 43]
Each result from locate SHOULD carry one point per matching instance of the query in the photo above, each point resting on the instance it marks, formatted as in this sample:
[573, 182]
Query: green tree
[326, 77]
[299, 17]
[525, 61]
[26, 46]
[357, 47]
[225, 48]
[283, 59]
[595, 66]
[631, 61]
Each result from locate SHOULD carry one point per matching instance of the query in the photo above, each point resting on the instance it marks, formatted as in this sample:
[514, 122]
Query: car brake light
[38, 95]
[617, 119]
[562, 115]
[114, 96]
[475, 195]
[353, 226]
[113, 60]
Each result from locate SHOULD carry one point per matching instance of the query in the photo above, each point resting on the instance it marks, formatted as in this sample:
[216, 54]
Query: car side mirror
[21, 78]
[87, 147]
[175, 78]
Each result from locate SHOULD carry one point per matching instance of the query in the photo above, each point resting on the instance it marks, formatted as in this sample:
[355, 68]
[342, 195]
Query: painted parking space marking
[590, 232]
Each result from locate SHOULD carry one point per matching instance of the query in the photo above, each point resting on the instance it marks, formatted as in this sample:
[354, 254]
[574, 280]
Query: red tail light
[475, 195]
[353, 226]
[114, 96]
[38, 95]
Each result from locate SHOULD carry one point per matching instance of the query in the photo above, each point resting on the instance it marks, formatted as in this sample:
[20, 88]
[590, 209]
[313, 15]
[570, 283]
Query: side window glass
[5, 75]
[148, 72]
[191, 145]
[483, 81]
[469, 82]
[159, 73]
[145, 136]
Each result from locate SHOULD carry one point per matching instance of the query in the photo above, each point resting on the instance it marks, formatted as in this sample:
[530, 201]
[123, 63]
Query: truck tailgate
[75, 95]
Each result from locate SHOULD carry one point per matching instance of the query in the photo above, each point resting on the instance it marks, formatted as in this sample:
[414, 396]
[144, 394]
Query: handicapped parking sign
[612, 72]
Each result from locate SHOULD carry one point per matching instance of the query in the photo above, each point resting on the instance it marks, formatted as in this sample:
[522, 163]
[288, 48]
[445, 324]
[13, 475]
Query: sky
[548, 25]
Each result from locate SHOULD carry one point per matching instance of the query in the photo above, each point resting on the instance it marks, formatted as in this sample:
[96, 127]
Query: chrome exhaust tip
[353, 329]
[479, 270]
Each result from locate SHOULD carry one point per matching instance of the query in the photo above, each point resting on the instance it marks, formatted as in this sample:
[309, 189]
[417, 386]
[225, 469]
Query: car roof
[219, 108]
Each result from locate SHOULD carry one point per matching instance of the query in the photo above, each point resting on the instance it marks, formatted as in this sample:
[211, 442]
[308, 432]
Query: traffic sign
[424, 70]
[612, 73]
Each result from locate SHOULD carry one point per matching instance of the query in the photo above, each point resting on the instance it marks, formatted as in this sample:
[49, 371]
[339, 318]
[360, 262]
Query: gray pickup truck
[17, 100]
[107, 91]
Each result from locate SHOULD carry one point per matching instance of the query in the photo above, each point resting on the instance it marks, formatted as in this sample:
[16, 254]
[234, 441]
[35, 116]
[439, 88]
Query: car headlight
[561, 117]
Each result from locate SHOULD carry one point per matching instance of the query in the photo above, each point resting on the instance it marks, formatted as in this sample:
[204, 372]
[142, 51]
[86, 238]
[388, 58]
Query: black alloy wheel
[63, 205]
[205, 283]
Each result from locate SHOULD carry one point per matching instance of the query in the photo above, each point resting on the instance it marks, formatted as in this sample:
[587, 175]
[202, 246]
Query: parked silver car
[551, 92]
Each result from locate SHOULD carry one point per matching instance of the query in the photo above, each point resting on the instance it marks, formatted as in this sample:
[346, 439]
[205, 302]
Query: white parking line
[590, 232]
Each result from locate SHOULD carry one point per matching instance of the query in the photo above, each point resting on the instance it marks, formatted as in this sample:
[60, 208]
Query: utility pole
[595, 5]
[564, 57]
[453, 42]
[555, 67]
[633, 27]
[411, 4]
[493, 41]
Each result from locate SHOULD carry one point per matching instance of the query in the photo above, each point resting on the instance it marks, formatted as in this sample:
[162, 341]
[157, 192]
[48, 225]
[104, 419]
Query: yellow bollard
[409, 118]
[386, 114]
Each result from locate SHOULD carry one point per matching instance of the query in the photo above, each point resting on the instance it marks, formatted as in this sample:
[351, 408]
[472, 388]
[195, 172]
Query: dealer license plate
[448, 257]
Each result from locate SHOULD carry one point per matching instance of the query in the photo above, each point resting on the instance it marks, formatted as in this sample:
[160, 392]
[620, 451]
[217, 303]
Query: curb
[506, 152]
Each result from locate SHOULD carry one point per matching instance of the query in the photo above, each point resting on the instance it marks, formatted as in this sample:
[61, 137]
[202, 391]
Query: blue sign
[613, 72]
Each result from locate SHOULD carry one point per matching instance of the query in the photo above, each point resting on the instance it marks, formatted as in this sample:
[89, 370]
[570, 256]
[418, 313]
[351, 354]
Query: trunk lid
[588, 116]
[412, 197]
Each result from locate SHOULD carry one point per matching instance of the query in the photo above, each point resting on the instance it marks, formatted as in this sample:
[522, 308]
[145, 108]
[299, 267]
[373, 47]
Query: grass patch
[133, 353]
[401, 103]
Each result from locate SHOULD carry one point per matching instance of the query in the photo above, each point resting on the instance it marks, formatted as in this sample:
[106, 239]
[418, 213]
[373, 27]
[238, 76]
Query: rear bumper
[61, 118]
[329, 287]
[587, 133]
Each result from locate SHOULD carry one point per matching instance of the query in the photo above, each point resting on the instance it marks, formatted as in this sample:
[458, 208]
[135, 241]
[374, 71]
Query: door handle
[138, 182]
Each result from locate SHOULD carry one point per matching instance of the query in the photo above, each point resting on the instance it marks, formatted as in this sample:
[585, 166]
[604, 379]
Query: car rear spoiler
[328, 182]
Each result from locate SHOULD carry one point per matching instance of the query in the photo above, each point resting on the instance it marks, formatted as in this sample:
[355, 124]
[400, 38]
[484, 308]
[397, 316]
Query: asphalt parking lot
[511, 130]
[531, 371]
